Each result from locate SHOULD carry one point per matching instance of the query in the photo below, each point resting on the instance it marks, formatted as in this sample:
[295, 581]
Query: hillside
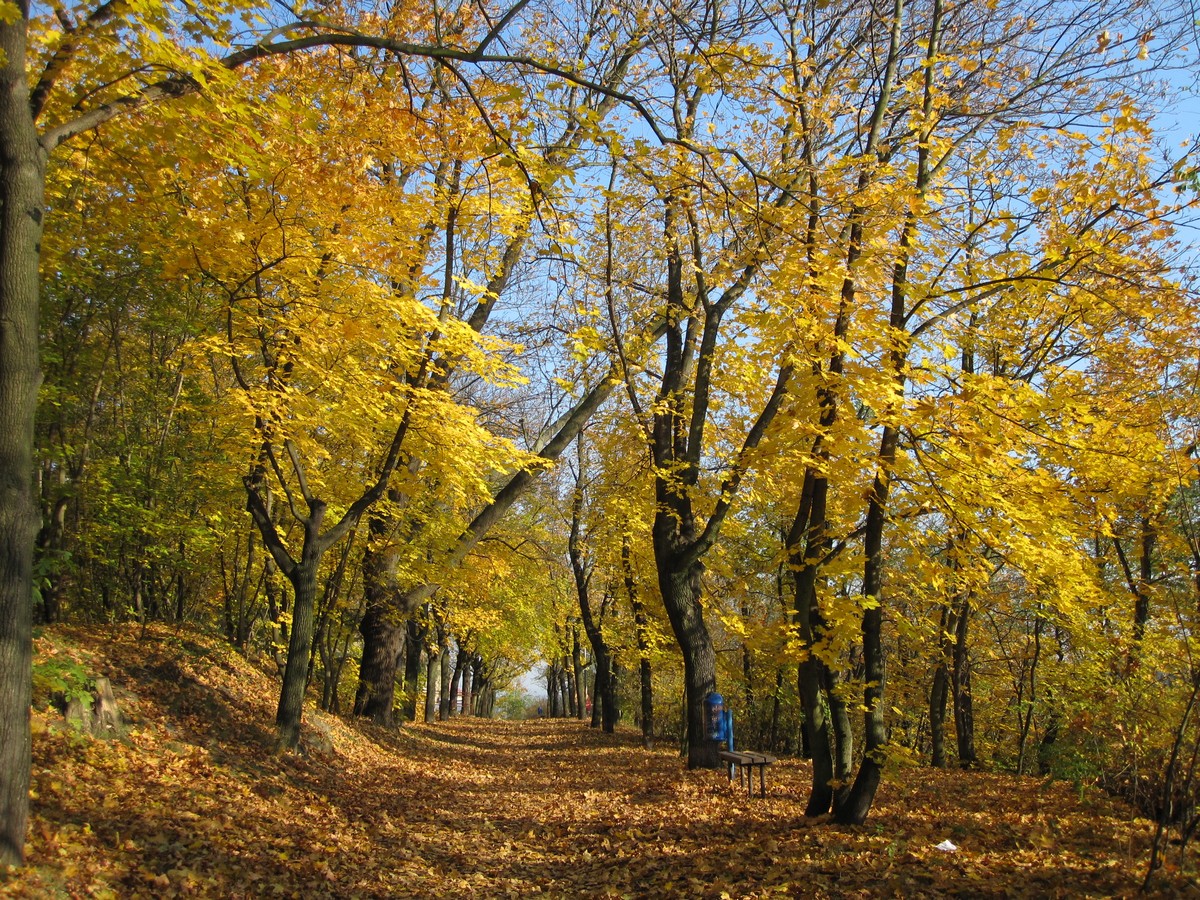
[188, 801]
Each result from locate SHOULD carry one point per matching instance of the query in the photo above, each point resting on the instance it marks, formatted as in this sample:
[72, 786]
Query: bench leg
[762, 781]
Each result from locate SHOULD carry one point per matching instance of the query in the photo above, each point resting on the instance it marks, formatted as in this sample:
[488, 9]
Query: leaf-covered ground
[190, 802]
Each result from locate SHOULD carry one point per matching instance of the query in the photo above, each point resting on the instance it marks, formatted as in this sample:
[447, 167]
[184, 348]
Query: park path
[189, 801]
[552, 807]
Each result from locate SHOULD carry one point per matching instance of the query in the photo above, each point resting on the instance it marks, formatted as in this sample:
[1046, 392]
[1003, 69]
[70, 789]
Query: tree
[518, 190]
[583, 566]
[716, 253]
[185, 43]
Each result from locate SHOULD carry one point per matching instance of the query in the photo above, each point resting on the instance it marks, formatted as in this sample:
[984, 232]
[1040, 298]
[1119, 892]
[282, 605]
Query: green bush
[57, 681]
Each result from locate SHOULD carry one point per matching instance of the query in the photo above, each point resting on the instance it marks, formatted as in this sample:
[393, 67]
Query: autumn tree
[706, 412]
[889, 172]
[66, 75]
[530, 148]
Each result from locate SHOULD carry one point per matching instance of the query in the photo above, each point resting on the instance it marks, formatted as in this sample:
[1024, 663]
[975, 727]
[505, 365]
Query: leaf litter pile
[189, 801]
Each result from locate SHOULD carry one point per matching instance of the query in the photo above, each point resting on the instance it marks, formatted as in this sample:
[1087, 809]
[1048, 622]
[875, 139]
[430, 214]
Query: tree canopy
[840, 357]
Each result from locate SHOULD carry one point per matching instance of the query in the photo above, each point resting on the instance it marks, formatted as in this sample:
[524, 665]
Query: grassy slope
[189, 802]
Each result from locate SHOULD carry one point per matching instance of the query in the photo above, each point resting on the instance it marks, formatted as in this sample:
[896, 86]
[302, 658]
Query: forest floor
[189, 801]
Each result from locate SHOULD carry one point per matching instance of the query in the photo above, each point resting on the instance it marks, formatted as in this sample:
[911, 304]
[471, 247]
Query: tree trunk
[646, 684]
[773, 730]
[679, 580]
[468, 684]
[603, 705]
[641, 626]
[938, 694]
[681, 597]
[940, 689]
[843, 738]
[22, 180]
[382, 651]
[477, 683]
[813, 674]
[383, 632]
[432, 668]
[490, 701]
[446, 673]
[414, 639]
[577, 669]
[460, 663]
[858, 802]
[612, 708]
[564, 690]
[295, 674]
[568, 686]
[599, 688]
[816, 736]
[960, 681]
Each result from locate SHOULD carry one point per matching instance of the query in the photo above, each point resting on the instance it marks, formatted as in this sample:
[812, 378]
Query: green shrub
[58, 681]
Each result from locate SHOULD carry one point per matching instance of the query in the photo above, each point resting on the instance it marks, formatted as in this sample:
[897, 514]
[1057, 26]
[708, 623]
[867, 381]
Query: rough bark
[600, 690]
[813, 674]
[382, 629]
[960, 680]
[460, 664]
[468, 685]
[552, 685]
[22, 179]
[383, 644]
[414, 643]
[577, 701]
[681, 596]
[444, 655]
[939, 691]
[295, 673]
[843, 738]
[641, 625]
[433, 666]
[610, 708]
[853, 811]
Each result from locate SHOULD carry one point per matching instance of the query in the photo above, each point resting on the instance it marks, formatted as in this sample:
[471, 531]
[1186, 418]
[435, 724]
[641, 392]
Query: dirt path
[190, 802]
[550, 807]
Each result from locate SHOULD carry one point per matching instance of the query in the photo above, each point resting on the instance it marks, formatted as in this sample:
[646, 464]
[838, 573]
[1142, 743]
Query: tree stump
[77, 715]
[106, 715]
[102, 718]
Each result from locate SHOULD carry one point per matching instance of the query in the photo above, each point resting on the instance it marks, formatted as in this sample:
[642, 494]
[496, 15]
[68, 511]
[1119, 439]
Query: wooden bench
[746, 761]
